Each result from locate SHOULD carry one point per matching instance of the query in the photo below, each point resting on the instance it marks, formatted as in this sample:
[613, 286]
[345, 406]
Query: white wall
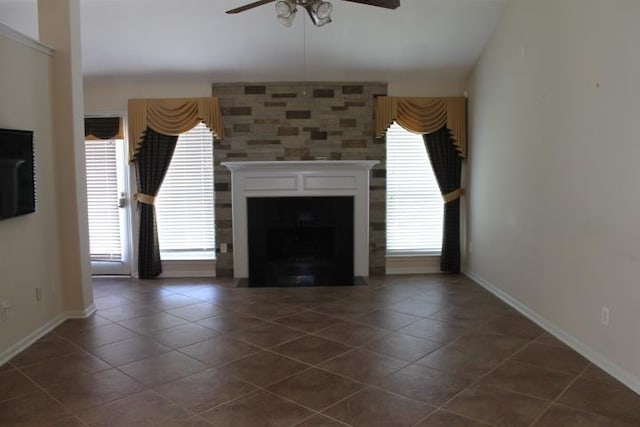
[553, 195]
[20, 15]
[109, 94]
[29, 244]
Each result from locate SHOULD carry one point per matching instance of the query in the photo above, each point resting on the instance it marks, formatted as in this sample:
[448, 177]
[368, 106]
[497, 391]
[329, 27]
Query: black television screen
[17, 187]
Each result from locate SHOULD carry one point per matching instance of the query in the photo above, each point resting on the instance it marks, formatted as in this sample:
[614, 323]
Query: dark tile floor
[403, 351]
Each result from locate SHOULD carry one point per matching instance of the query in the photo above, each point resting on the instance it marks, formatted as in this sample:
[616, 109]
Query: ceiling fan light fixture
[285, 8]
[286, 11]
[322, 9]
[320, 12]
[288, 21]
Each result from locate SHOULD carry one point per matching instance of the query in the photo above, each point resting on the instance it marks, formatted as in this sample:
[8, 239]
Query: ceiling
[178, 37]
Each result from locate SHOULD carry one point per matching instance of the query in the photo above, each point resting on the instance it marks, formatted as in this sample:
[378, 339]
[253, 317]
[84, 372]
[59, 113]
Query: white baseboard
[412, 265]
[180, 269]
[43, 330]
[34, 336]
[619, 373]
[81, 314]
[179, 274]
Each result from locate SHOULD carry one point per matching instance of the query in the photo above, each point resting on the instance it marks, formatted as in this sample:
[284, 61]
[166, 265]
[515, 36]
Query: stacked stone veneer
[299, 121]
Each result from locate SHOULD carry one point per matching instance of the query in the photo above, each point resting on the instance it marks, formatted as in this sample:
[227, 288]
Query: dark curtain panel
[102, 127]
[447, 166]
[151, 163]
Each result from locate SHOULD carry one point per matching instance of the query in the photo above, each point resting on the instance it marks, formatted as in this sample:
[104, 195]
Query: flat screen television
[17, 184]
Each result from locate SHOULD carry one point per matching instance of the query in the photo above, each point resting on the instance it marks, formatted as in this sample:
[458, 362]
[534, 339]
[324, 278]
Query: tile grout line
[309, 367]
[375, 386]
[551, 403]
[468, 332]
[72, 413]
[259, 389]
[146, 387]
[316, 412]
[475, 383]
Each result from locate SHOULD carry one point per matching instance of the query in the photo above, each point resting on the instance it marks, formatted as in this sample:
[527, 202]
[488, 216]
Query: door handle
[122, 201]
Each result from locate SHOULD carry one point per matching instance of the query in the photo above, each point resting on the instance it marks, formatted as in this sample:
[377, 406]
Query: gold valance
[171, 117]
[424, 115]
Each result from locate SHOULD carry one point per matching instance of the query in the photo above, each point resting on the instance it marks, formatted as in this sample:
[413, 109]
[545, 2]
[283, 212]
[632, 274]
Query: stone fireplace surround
[300, 179]
[293, 121]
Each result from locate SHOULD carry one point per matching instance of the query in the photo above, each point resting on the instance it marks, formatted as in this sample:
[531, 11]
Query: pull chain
[304, 56]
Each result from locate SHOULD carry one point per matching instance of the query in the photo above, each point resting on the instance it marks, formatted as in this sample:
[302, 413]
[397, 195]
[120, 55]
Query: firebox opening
[300, 241]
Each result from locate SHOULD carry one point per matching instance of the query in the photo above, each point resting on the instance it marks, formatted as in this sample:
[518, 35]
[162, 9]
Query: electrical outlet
[38, 294]
[223, 248]
[605, 316]
[5, 306]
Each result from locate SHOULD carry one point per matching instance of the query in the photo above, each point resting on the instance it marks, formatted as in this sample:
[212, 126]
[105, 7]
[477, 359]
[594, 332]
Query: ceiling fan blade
[250, 6]
[387, 4]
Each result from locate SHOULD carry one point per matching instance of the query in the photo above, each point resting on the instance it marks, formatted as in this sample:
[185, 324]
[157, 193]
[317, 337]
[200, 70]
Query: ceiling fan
[318, 10]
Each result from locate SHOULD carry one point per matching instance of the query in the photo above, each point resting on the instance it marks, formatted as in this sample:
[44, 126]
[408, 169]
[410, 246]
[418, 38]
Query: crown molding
[17, 36]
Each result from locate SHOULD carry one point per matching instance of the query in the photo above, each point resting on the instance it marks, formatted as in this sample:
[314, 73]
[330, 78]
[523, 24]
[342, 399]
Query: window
[103, 194]
[414, 203]
[184, 206]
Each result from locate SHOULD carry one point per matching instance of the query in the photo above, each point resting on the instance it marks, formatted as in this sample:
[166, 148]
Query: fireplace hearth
[300, 241]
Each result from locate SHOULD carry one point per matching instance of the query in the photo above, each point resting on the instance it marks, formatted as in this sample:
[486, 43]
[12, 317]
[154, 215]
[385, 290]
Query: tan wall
[29, 244]
[553, 205]
[60, 29]
[110, 94]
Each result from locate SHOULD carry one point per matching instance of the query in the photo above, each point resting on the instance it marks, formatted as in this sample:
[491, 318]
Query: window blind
[414, 203]
[102, 200]
[185, 205]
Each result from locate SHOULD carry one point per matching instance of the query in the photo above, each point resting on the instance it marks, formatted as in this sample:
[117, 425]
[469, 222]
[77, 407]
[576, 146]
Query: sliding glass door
[108, 206]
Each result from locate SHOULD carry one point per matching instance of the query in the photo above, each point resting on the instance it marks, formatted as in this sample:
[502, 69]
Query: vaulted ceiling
[181, 37]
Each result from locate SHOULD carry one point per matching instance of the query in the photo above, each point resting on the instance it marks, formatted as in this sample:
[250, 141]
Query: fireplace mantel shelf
[311, 178]
[303, 165]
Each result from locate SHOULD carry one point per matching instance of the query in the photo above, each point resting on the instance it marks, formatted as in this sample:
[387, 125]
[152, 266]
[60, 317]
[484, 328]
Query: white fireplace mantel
[300, 179]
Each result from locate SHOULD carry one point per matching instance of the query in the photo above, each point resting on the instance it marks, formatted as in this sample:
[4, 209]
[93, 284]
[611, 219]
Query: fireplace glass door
[300, 241]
